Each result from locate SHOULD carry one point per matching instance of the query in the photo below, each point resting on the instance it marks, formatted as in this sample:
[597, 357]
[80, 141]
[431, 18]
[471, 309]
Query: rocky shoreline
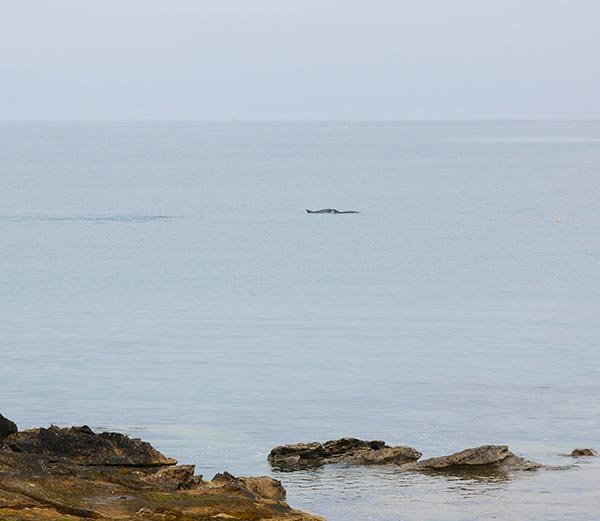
[69, 474]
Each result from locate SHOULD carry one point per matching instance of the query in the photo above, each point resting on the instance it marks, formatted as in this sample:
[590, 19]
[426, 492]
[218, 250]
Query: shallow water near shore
[163, 279]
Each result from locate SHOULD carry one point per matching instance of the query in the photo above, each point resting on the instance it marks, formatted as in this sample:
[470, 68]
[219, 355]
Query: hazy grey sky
[202, 59]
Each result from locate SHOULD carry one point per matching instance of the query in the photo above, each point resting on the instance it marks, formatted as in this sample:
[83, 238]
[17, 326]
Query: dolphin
[330, 210]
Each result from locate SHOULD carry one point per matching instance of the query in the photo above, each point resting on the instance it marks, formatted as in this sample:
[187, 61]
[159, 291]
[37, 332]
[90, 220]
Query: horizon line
[298, 119]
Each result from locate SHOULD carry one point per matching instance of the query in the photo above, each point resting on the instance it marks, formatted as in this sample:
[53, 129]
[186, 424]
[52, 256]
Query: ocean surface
[163, 279]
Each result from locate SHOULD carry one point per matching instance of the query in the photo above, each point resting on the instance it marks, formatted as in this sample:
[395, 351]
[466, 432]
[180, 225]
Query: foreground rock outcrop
[350, 451]
[73, 474]
[495, 458]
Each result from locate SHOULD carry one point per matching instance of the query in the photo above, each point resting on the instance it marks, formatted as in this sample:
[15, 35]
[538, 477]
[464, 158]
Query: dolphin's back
[330, 210]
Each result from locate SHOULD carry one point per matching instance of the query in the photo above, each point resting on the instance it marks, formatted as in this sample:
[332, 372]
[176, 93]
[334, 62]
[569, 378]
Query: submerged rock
[343, 451]
[486, 457]
[578, 453]
[74, 474]
[7, 427]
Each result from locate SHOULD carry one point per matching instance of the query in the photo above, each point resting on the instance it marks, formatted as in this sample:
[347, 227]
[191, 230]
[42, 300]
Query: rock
[81, 445]
[266, 488]
[578, 453]
[261, 487]
[7, 427]
[486, 457]
[343, 451]
[174, 477]
[74, 474]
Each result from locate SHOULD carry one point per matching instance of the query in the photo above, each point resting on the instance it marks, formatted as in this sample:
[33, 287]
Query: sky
[299, 59]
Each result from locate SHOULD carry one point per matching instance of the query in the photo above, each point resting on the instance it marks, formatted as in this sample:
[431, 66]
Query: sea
[163, 279]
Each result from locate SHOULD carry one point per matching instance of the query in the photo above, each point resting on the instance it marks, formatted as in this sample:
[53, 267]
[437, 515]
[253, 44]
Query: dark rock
[578, 453]
[349, 451]
[486, 457]
[81, 445]
[7, 427]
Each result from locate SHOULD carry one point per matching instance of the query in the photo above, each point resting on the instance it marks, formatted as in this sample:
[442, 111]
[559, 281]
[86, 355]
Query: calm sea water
[163, 279]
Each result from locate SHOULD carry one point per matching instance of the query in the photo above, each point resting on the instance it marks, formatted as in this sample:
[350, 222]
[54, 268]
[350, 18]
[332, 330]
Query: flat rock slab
[487, 457]
[349, 451]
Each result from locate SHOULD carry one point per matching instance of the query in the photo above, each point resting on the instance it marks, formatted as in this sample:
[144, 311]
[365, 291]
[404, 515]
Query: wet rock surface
[350, 451]
[487, 457]
[579, 452]
[73, 474]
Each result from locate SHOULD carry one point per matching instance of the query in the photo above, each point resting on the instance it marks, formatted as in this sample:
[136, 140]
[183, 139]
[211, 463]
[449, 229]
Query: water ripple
[117, 218]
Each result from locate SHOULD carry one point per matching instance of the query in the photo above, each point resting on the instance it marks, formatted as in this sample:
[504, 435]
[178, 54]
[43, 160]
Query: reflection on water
[387, 494]
[466, 473]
